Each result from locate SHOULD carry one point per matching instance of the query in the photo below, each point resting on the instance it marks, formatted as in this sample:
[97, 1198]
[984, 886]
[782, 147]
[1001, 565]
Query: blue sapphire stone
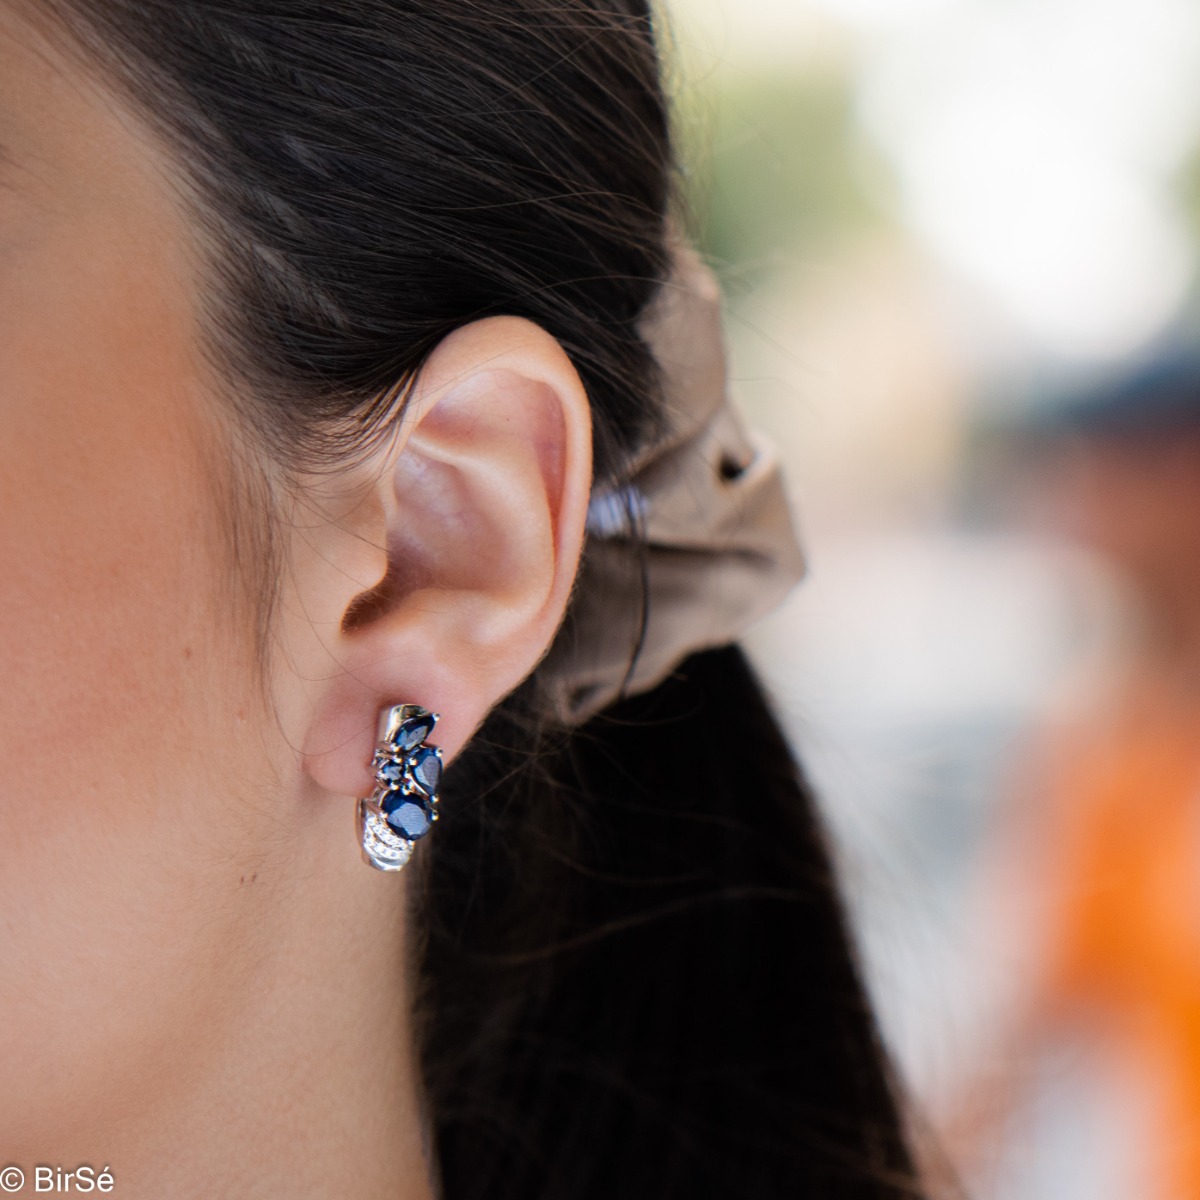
[412, 732]
[391, 772]
[425, 769]
[407, 814]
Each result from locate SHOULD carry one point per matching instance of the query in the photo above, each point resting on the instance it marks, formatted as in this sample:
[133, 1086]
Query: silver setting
[390, 720]
[383, 847]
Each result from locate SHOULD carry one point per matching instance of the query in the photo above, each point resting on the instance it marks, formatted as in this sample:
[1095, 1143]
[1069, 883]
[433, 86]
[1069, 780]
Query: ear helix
[404, 803]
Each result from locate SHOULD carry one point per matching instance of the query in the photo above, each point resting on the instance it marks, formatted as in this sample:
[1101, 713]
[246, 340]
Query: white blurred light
[1082, 251]
[1034, 144]
[880, 14]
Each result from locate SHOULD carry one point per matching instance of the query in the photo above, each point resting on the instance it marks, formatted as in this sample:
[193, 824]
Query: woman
[323, 327]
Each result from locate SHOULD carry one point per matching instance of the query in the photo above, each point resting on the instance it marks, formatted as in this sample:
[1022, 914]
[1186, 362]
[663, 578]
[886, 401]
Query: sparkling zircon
[383, 846]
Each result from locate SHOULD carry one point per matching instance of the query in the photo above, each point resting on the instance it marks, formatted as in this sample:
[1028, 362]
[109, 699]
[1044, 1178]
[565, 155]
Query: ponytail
[639, 980]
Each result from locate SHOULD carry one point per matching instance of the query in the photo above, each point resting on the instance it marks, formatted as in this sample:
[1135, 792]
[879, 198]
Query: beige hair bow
[718, 550]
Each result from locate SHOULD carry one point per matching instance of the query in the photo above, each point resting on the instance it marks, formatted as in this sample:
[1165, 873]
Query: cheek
[105, 522]
[126, 741]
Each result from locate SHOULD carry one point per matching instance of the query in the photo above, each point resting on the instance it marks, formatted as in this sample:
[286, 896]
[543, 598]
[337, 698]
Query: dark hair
[636, 978]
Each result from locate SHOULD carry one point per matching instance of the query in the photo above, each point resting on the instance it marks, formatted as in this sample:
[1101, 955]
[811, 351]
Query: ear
[470, 535]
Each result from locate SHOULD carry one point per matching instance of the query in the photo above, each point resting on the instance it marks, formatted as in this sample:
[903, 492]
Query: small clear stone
[383, 845]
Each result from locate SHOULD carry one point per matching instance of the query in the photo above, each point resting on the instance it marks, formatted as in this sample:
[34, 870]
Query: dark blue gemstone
[407, 815]
[425, 769]
[413, 732]
[391, 772]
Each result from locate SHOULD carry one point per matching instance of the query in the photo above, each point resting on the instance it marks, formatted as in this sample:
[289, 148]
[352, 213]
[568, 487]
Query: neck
[297, 1074]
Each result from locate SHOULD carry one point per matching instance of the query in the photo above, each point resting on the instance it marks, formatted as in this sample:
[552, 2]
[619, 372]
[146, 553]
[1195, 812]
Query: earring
[408, 773]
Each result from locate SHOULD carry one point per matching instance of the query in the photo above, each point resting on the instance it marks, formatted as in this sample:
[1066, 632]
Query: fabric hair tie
[716, 549]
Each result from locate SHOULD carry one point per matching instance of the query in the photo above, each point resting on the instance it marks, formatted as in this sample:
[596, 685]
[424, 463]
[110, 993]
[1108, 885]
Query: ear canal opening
[371, 604]
[366, 607]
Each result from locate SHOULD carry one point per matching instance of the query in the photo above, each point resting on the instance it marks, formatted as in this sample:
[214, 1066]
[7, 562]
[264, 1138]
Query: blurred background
[959, 245]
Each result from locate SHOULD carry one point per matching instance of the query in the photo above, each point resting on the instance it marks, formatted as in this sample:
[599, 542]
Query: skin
[203, 987]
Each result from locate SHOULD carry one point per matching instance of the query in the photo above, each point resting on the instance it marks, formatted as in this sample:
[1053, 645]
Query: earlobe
[481, 504]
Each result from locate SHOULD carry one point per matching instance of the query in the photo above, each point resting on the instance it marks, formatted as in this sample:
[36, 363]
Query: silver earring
[408, 772]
